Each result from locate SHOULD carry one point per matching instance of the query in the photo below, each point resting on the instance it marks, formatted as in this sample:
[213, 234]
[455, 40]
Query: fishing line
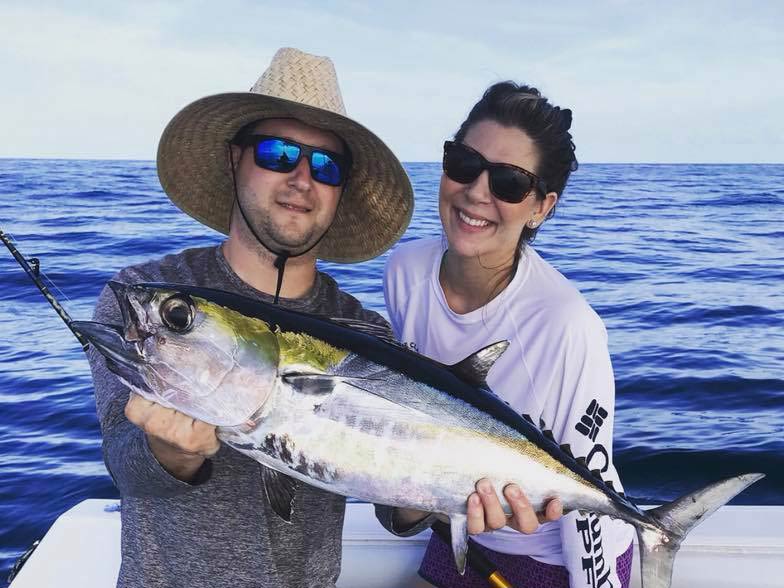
[36, 267]
[53, 284]
[32, 267]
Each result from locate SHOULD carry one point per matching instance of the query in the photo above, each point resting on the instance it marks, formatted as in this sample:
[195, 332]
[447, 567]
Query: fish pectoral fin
[319, 384]
[280, 490]
[459, 528]
[474, 368]
[366, 385]
[315, 384]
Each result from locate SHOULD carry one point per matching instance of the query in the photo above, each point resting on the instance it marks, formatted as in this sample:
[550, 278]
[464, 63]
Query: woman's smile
[471, 222]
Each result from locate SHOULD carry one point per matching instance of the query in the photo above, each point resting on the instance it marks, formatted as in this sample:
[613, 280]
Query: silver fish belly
[422, 450]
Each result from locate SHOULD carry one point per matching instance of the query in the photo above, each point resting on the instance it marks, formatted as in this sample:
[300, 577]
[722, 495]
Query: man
[290, 179]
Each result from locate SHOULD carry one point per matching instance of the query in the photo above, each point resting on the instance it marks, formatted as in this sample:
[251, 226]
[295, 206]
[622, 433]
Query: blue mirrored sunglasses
[283, 155]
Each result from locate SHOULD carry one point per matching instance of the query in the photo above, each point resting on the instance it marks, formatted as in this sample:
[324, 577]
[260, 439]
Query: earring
[533, 223]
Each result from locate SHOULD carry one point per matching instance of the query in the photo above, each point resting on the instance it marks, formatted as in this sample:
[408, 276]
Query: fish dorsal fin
[567, 449]
[377, 331]
[474, 368]
[280, 490]
[546, 433]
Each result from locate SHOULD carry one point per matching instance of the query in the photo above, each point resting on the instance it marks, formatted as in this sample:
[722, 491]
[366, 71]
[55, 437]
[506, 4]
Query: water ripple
[683, 262]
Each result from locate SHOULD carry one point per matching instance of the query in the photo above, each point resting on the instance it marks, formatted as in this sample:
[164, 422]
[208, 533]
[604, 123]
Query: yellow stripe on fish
[298, 348]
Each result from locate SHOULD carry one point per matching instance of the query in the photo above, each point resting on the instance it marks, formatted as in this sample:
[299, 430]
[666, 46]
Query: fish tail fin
[660, 542]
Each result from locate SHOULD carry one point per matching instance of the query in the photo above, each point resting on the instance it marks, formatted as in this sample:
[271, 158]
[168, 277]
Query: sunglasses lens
[325, 169]
[509, 185]
[277, 155]
[461, 165]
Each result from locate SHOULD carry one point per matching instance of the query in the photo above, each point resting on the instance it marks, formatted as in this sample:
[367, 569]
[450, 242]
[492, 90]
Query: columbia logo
[592, 420]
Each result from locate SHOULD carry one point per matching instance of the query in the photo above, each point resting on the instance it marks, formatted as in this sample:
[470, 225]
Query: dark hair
[524, 107]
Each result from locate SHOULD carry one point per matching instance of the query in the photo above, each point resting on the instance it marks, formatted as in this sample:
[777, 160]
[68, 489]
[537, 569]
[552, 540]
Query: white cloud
[670, 82]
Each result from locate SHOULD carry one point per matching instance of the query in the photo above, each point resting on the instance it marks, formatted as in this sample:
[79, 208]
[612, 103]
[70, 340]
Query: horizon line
[133, 160]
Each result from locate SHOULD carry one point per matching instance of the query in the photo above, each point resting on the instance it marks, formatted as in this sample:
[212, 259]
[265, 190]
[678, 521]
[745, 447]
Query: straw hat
[377, 201]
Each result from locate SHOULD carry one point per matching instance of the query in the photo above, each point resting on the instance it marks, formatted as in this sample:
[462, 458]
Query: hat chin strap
[281, 256]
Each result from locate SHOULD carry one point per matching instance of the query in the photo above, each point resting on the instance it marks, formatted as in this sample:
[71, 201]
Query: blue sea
[685, 264]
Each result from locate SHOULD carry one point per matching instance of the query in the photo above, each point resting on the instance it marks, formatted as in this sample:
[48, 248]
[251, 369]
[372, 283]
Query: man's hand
[486, 514]
[179, 443]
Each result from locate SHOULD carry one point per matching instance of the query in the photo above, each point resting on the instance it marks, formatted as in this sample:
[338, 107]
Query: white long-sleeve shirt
[557, 368]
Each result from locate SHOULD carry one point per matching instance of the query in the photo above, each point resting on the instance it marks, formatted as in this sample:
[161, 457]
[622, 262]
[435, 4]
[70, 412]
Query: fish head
[188, 353]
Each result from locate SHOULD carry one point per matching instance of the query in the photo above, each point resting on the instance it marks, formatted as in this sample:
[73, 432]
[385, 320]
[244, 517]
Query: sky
[647, 81]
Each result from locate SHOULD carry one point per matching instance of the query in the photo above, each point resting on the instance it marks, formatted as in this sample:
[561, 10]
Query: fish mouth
[123, 292]
[123, 358]
[121, 344]
[110, 341]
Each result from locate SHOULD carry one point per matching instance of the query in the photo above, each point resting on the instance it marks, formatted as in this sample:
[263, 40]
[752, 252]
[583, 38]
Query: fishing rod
[478, 561]
[32, 267]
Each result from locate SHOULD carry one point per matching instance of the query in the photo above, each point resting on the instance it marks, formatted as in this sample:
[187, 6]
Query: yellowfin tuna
[338, 405]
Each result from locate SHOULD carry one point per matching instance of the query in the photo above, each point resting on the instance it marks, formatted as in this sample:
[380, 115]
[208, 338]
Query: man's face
[289, 211]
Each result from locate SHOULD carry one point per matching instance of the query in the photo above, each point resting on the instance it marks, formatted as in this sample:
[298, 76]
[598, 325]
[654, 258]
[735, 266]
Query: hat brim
[376, 205]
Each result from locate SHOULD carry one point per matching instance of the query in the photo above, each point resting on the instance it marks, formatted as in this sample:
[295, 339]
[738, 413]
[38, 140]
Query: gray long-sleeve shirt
[219, 530]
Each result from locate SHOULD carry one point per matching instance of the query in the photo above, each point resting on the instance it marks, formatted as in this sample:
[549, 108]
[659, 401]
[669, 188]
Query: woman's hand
[179, 443]
[486, 514]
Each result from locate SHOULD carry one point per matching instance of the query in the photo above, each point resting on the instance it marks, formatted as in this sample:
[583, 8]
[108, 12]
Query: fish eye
[177, 313]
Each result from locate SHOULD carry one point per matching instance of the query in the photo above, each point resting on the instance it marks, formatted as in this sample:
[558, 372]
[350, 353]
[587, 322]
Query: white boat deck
[739, 546]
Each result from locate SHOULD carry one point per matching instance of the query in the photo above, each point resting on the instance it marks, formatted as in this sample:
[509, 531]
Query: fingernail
[473, 500]
[514, 491]
[485, 487]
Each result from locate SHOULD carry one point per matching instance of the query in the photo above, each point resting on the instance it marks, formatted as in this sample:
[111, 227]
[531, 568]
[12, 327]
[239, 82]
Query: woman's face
[477, 223]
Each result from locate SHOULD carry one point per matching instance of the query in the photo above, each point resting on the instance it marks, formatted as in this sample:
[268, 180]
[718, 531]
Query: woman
[483, 282]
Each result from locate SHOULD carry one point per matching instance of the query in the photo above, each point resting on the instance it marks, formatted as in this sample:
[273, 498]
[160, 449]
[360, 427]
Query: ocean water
[685, 264]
